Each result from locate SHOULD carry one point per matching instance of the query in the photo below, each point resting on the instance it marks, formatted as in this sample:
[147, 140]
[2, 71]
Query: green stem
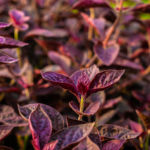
[18, 49]
[81, 106]
[147, 141]
[25, 142]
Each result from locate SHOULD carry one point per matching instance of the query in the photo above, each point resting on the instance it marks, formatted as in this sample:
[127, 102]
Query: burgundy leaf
[104, 80]
[145, 119]
[11, 43]
[5, 148]
[97, 24]
[50, 146]
[116, 132]
[60, 80]
[106, 55]
[9, 89]
[112, 102]
[2, 40]
[140, 96]
[40, 126]
[40, 2]
[90, 3]
[71, 135]
[5, 59]
[46, 33]
[135, 126]
[113, 145]
[53, 114]
[127, 63]
[61, 60]
[86, 144]
[5, 130]
[90, 72]
[94, 134]
[83, 83]
[3, 24]
[142, 8]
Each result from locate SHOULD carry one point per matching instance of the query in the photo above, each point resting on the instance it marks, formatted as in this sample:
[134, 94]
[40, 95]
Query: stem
[140, 138]
[18, 49]
[147, 141]
[81, 106]
[25, 142]
[109, 34]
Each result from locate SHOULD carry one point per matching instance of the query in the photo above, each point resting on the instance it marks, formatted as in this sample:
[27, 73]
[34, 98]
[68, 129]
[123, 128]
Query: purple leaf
[135, 126]
[5, 130]
[60, 80]
[104, 80]
[142, 8]
[5, 148]
[86, 144]
[18, 18]
[90, 72]
[40, 126]
[106, 55]
[3, 24]
[5, 59]
[71, 135]
[127, 63]
[53, 114]
[140, 96]
[2, 40]
[9, 89]
[90, 3]
[40, 2]
[116, 132]
[94, 134]
[46, 33]
[11, 43]
[50, 146]
[61, 60]
[83, 83]
[97, 24]
[113, 145]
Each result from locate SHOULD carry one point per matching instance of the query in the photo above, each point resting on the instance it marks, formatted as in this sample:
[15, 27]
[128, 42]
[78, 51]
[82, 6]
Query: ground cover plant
[74, 74]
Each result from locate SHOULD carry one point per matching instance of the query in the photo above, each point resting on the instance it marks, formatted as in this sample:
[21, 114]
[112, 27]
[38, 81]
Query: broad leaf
[60, 80]
[40, 126]
[3, 24]
[113, 145]
[104, 80]
[50, 146]
[11, 43]
[145, 119]
[116, 132]
[106, 55]
[5, 59]
[53, 114]
[86, 144]
[5, 130]
[135, 126]
[90, 3]
[71, 135]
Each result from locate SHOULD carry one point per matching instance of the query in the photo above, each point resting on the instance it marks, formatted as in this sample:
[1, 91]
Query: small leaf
[5, 148]
[145, 119]
[60, 80]
[113, 145]
[90, 3]
[5, 59]
[53, 114]
[104, 80]
[5, 130]
[135, 126]
[106, 55]
[11, 43]
[3, 24]
[97, 24]
[40, 126]
[86, 144]
[71, 135]
[2, 40]
[50, 146]
[140, 96]
[116, 132]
